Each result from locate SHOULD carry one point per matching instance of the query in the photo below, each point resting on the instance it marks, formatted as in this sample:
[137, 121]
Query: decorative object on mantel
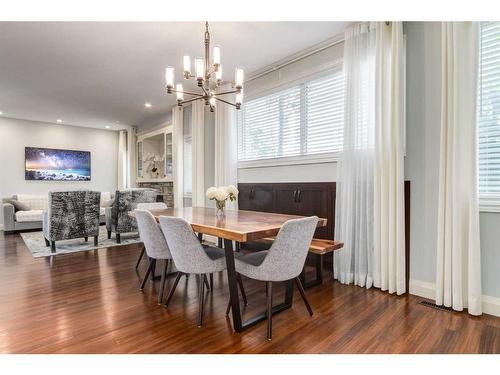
[221, 194]
[209, 77]
[154, 166]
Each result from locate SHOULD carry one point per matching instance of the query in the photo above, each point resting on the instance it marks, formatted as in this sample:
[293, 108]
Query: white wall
[17, 134]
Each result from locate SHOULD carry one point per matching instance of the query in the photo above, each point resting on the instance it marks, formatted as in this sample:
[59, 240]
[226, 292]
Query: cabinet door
[314, 200]
[139, 160]
[168, 155]
[286, 202]
[256, 197]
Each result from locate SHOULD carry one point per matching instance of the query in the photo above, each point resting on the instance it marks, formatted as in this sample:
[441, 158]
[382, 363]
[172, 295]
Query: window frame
[327, 157]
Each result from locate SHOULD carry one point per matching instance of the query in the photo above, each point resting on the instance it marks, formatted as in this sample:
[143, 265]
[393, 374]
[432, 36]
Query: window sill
[292, 160]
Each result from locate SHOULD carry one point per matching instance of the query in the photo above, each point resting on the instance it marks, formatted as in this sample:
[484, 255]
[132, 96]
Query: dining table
[239, 226]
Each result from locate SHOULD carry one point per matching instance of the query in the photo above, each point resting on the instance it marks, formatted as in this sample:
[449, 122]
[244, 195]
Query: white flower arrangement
[221, 194]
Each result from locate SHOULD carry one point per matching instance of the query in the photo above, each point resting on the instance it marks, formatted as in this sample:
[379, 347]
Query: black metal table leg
[233, 286]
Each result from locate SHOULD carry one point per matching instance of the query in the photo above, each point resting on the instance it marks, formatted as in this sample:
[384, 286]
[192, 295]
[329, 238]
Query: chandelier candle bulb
[180, 93]
[216, 57]
[218, 74]
[169, 77]
[239, 98]
[187, 66]
[239, 79]
[198, 62]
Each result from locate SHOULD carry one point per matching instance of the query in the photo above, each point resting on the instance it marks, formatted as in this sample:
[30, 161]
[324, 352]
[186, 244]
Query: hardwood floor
[91, 303]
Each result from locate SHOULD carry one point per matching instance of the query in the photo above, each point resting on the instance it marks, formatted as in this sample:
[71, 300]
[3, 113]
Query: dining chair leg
[140, 256]
[211, 281]
[201, 301]
[205, 281]
[243, 294]
[269, 287]
[153, 270]
[150, 267]
[96, 240]
[303, 295]
[172, 290]
[162, 282]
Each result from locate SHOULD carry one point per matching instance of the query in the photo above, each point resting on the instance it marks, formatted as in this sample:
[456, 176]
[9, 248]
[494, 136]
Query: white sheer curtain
[389, 215]
[354, 200]
[198, 153]
[370, 186]
[123, 180]
[177, 147]
[226, 148]
[458, 279]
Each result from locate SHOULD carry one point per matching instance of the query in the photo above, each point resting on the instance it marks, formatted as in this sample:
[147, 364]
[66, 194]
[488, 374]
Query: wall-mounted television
[49, 164]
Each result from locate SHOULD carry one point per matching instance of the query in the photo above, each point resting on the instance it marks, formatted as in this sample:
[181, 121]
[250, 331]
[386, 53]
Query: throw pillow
[19, 206]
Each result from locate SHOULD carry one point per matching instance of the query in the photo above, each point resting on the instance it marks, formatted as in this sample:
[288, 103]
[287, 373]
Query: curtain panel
[226, 148]
[458, 273]
[370, 186]
[388, 210]
[177, 149]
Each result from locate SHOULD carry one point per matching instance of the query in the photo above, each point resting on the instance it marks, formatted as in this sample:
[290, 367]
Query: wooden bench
[318, 247]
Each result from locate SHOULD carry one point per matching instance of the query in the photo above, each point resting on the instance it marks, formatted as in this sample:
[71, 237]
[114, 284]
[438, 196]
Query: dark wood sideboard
[307, 198]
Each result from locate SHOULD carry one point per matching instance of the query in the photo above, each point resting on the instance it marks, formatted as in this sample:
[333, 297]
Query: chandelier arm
[189, 93]
[225, 101]
[227, 92]
[191, 100]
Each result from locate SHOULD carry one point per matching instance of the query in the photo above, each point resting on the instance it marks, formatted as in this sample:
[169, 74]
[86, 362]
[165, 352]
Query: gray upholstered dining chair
[284, 261]
[148, 206]
[191, 257]
[155, 245]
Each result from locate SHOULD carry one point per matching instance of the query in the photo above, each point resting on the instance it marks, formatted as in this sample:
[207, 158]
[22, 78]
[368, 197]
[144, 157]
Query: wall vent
[437, 307]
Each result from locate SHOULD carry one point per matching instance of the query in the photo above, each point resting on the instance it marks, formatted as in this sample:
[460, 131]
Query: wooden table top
[236, 225]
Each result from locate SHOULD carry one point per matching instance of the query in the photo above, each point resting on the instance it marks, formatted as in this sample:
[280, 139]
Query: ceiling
[99, 74]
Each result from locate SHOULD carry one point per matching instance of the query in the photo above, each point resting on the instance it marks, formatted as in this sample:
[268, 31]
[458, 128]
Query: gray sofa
[32, 216]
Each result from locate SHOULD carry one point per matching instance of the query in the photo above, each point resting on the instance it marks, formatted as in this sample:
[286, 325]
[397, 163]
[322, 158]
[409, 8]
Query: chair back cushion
[288, 253]
[151, 235]
[186, 250]
[126, 201]
[72, 214]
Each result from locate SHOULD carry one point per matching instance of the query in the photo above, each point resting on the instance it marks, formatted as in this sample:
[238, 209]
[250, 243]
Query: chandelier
[209, 78]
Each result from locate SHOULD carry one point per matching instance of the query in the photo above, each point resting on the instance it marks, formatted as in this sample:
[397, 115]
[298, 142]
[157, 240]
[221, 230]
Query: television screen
[50, 164]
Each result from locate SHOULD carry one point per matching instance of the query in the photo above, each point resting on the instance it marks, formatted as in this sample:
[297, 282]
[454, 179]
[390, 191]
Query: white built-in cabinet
[155, 156]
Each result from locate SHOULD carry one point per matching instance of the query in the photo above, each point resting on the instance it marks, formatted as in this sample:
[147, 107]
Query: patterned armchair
[71, 214]
[117, 219]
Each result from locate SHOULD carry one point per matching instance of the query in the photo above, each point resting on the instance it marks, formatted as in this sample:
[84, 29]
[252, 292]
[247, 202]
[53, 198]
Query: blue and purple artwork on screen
[57, 165]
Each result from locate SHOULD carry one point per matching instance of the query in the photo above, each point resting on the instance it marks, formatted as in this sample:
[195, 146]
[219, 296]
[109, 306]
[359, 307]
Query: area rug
[36, 243]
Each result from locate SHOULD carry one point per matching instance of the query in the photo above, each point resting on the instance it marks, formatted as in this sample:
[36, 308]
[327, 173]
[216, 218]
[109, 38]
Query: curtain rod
[295, 59]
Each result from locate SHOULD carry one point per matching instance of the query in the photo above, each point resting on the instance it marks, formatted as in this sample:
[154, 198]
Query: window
[306, 119]
[489, 114]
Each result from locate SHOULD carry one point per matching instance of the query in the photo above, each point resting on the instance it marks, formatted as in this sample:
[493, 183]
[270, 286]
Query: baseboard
[491, 305]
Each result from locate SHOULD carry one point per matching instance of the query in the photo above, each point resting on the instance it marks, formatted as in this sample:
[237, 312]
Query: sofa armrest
[9, 217]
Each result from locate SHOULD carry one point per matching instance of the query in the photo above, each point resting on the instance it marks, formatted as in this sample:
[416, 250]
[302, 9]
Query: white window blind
[306, 119]
[489, 114]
